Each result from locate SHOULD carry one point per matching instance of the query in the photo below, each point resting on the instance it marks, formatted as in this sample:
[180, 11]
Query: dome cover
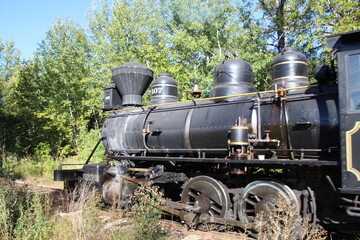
[289, 69]
[231, 77]
[163, 90]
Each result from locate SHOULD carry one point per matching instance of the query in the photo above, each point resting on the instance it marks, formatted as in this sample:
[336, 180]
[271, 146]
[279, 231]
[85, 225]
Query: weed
[84, 220]
[285, 223]
[146, 213]
[23, 215]
[82, 207]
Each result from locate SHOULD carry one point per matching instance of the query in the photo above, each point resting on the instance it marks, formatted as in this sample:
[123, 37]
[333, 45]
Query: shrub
[23, 215]
[146, 213]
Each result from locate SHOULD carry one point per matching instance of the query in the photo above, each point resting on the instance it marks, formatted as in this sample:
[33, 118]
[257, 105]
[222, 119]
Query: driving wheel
[264, 196]
[207, 195]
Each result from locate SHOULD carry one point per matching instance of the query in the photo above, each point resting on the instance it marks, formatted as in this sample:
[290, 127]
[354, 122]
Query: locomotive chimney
[132, 79]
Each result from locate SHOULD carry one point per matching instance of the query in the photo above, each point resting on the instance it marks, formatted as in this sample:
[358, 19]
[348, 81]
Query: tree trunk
[280, 24]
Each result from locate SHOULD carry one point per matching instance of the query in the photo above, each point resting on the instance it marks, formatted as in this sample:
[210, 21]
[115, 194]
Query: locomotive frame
[229, 182]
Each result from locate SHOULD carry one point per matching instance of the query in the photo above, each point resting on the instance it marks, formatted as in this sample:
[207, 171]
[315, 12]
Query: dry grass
[285, 224]
[79, 197]
[83, 218]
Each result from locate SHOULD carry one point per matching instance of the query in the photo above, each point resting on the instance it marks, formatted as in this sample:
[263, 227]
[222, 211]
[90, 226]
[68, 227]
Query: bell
[196, 92]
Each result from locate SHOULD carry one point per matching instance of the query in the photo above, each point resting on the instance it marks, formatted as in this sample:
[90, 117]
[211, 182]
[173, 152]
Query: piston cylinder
[118, 191]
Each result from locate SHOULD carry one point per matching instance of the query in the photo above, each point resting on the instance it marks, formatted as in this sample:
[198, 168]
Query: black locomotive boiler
[215, 157]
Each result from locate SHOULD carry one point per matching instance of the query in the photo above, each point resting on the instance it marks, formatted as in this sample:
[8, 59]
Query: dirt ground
[175, 230]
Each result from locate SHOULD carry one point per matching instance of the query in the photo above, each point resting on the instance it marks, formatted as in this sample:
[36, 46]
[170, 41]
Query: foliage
[65, 87]
[89, 140]
[335, 17]
[285, 20]
[23, 215]
[146, 213]
[305, 24]
[9, 65]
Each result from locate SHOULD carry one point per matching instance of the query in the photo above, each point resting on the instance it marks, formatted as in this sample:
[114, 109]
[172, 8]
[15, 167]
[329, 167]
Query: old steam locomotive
[215, 158]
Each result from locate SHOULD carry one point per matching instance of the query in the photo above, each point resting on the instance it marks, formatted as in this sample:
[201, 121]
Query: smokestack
[132, 79]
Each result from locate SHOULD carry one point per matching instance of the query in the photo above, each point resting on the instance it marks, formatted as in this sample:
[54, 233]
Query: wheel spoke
[257, 198]
[250, 202]
[191, 194]
[211, 213]
[213, 207]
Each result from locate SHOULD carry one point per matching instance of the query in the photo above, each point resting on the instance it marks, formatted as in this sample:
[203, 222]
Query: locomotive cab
[347, 47]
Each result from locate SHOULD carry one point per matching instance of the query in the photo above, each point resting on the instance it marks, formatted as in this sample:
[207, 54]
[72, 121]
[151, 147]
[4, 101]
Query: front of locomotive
[122, 130]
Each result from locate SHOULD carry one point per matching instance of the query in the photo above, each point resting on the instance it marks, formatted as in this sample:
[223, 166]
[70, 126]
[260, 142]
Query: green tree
[185, 39]
[305, 24]
[335, 16]
[65, 84]
[25, 130]
[247, 37]
[197, 38]
[286, 21]
[126, 31]
[10, 63]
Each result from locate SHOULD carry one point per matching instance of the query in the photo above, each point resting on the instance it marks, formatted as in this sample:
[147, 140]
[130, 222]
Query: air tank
[232, 77]
[163, 90]
[132, 79]
[289, 69]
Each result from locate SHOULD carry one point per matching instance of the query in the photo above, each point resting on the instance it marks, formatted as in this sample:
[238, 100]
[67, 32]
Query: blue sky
[27, 21]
